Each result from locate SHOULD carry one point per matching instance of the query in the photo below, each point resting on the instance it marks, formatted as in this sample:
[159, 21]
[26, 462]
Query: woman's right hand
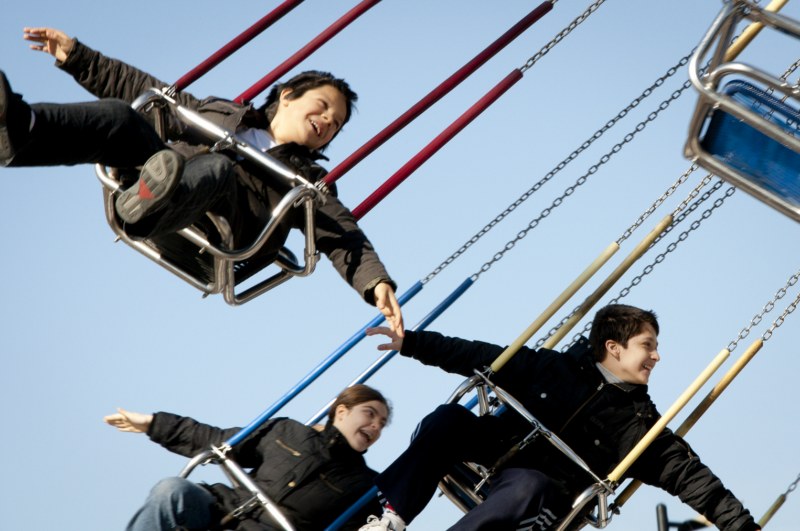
[49, 40]
[129, 421]
[396, 341]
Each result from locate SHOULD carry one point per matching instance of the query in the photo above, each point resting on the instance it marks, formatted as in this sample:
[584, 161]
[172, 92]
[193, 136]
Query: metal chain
[779, 321]
[560, 36]
[792, 485]
[582, 179]
[560, 166]
[670, 248]
[768, 307]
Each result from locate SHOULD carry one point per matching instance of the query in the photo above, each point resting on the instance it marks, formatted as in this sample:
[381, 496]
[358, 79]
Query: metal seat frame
[466, 495]
[713, 99]
[223, 257]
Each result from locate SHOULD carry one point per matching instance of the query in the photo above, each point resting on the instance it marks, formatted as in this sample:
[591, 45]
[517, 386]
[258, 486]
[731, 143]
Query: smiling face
[361, 424]
[634, 362]
[312, 119]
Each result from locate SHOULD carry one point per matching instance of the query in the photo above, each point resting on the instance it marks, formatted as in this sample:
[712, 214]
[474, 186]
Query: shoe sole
[157, 180]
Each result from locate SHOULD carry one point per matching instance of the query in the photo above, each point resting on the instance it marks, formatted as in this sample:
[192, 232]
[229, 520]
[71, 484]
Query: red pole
[434, 146]
[227, 50]
[437, 93]
[268, 80]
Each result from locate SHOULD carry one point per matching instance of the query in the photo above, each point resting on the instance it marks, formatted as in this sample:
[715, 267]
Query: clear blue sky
[89, 325]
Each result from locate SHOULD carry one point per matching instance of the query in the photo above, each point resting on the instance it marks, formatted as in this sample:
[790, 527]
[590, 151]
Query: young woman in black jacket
[313, 473]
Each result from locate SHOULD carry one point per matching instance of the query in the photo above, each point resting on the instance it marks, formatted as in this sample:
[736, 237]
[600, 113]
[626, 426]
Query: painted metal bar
[751, 31]
[592, 299]
[576, 284]
[436, 144]
[700, 410]
[382, 360]
[351, 512]
[239, 41]
[440, 91]
[659, 426]
[331, 31]
[318, 370]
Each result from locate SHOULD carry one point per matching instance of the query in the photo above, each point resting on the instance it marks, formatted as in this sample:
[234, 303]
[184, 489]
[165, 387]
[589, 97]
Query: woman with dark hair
[313, 473]
[178, 182]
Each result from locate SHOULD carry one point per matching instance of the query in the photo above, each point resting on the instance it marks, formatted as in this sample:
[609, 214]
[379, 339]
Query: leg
[516, 494]
[449, 435]
[208, 183]
[174, 503]
[106, 131]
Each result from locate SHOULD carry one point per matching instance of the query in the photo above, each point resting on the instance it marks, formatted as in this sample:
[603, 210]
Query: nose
[655, 356]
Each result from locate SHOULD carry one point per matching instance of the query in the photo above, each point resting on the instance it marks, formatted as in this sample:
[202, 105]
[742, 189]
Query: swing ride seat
[740, 131]
[204, 255]
[467, 483]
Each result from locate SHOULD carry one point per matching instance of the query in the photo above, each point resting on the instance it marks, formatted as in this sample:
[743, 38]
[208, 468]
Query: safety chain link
[756, 320]
[560, 166]
[671, 247]
[792, 485]
[779, 321]
[657, 203]
[582, 179]
[560, 36]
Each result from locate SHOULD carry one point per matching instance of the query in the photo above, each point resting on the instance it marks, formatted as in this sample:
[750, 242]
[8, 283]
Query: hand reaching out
[129, 421]
[396, 340]
[387, 303]
[49, 40]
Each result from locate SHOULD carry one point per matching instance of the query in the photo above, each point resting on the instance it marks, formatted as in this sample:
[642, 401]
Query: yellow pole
[751, 31]
[772, 510]
[592, 299]
[692, 419]
[659, 426]
[576, 284]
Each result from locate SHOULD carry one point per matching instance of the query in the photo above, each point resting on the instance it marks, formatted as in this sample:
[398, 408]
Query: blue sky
[89, 325]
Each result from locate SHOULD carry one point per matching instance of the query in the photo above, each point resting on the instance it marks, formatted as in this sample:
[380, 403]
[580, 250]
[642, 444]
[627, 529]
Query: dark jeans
[450, 435]
[174, 503]
[110, 132]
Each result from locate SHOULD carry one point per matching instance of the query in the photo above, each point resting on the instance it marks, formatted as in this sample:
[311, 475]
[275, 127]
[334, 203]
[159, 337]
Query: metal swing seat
[205, 257]
[466, 485]
[740, 130]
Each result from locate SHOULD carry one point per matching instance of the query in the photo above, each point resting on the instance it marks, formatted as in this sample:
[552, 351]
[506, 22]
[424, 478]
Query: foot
[158, 179]
[390, 521]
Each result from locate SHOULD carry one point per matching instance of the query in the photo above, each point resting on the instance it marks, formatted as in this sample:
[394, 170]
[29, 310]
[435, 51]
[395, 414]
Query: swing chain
[582, 179]
[792, 485]
[779, 321]
[560, 166]
[560, 36]
[768, 307]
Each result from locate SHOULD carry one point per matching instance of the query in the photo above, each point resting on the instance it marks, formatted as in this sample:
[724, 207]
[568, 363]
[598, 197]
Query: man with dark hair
[594, 397]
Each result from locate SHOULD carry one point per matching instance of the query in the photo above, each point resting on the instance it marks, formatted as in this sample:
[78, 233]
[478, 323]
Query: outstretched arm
[49, 40]
[387, 303]
[129, 421]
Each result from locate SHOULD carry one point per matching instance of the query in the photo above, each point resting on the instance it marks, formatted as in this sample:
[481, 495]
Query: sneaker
[390, 521]
[158, 179]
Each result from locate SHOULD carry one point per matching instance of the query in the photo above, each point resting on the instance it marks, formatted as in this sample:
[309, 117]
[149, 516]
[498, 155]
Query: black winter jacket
[313, 476]
[337, 233]
[600, 421]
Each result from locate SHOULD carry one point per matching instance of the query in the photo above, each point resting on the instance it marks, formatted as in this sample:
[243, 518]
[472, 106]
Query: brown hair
[355, 395]
[618, 322]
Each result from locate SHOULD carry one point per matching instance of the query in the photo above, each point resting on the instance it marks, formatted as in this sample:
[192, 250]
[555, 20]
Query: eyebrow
[383, 417]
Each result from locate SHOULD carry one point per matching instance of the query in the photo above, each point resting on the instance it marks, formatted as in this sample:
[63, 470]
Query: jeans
[174, 503]
[111, 133]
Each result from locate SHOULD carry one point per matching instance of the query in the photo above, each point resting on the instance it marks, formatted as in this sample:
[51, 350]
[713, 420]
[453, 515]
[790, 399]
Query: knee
[450, 420]
[170, 488]
[521, 486]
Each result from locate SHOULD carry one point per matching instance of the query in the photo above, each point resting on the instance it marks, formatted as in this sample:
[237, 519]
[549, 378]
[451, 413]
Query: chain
[560, 36]
[560, 166]
[671, 247]
[792, 485]
[779, 321]
[768, 307]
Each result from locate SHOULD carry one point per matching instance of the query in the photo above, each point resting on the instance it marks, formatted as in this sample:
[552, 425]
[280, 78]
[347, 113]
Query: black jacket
[600, 421]
[314, 476]
[337, 233]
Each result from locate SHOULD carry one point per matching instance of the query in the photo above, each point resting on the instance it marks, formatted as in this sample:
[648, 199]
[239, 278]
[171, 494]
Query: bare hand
[389, 307]
[396, 340]
[53, 41]
[129, 421]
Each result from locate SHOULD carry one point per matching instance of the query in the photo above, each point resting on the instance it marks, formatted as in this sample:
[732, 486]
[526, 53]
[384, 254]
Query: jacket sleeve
[106, 77]
[452, 354]
[351, 253]
[670, 463]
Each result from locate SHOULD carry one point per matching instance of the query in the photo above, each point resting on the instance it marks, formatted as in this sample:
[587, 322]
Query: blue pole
[318, 370]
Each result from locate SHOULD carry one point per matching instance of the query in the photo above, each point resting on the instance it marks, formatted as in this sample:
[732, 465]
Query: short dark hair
[303, 82]
[618, 322]
[355, 395]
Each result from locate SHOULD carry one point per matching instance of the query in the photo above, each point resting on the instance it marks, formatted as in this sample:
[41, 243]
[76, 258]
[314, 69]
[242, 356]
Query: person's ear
[341, 411]
[612, 348]
[283, 98]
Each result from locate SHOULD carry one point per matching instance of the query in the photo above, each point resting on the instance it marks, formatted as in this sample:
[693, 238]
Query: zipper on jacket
[585, 403]
[287, 448]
